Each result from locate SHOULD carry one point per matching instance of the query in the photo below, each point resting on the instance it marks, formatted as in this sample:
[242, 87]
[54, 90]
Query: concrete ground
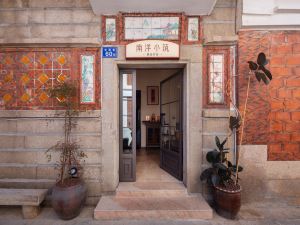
[269, 212]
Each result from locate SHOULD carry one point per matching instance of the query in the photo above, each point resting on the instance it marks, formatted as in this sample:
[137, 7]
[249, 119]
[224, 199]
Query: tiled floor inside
[147, 167]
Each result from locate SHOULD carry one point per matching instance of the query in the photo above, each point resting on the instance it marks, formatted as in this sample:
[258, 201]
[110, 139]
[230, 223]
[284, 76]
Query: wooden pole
[242, 130]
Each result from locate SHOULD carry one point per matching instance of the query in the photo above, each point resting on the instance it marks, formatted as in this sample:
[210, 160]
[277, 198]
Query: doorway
[138, 159]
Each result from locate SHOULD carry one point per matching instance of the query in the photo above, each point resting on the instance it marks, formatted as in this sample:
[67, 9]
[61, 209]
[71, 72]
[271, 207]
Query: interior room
[149, 125]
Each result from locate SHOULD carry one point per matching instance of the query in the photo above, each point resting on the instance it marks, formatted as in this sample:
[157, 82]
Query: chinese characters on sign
[152, 49]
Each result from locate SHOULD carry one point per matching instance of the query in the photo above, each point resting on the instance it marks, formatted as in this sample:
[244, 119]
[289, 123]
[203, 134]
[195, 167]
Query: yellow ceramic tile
[25, 97]
[9, 77]
[43, 97]
[7, 98]
[61, 78]
[43, 59]
[61, 98]
[25, 79]
[25, 60]
[8, 60]
[43, 78]
[61, 59]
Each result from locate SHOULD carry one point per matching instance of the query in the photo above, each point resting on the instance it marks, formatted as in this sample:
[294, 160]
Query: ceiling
[190, 7]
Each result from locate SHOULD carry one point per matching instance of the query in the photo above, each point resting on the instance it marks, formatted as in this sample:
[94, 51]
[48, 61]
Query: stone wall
[220, 25]
[44, 22]
[25, 136]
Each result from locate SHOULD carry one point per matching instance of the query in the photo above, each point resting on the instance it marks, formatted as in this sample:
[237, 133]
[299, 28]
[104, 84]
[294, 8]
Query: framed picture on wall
[152, 95]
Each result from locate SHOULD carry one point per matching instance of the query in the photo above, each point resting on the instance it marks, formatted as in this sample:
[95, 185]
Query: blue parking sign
[109, 52]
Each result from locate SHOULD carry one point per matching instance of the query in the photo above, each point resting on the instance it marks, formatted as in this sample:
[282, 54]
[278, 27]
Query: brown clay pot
[68, 200]
[227, 203]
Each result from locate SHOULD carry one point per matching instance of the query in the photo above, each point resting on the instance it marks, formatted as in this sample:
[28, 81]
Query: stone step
[167, 208]
[150, 189]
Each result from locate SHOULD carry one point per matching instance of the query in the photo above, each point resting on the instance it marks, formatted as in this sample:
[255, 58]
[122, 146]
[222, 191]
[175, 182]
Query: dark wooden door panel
[127, 132]
[172, 164]
[171, 134]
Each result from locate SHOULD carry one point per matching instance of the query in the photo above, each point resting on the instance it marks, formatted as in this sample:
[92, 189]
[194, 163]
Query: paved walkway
[269, 212]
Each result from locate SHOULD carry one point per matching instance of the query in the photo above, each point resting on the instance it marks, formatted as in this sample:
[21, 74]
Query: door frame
[185, 66]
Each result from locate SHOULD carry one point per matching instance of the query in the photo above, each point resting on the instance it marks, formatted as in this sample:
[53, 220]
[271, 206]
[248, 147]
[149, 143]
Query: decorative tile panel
[193, 29]
[87, 79]
[25, 79]
[216, 81]
[27, 75]
[7, 98]
[151, 28]
[110, 29]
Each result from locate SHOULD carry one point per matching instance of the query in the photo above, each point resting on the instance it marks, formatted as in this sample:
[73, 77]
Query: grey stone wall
[215, 123]
[48, 21]
[219, 27]
[26, 135]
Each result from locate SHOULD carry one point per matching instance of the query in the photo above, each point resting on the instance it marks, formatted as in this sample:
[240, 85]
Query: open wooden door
[171, 146]
[127, 161]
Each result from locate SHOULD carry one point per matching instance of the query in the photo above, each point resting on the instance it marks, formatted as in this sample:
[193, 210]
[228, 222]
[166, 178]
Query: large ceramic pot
[68, 199]
[227, 202]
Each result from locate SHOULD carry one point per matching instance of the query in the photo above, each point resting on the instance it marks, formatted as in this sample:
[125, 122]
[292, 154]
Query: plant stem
[242, 130]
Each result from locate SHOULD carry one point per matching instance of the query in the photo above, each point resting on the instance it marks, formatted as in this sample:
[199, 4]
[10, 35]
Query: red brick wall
[27, 74]
[273, 115]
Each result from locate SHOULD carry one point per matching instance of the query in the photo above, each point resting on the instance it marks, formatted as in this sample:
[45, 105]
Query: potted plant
[69, 192]
[223, 177]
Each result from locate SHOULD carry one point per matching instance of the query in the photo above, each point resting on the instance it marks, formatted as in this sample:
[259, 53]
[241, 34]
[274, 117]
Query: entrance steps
[152, 200]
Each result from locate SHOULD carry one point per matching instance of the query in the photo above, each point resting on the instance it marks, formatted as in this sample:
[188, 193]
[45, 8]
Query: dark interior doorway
[164, 119]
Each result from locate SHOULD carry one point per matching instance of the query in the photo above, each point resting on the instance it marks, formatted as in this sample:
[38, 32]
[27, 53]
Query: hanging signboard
[152, 49]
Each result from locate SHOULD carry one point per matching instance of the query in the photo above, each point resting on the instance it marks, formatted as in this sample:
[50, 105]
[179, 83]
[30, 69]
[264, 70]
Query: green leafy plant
[70, 155]
[259, 70]
[222, 172]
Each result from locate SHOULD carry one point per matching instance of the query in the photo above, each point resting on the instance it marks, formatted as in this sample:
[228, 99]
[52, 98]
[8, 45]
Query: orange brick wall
[273, 116]
[27, 74]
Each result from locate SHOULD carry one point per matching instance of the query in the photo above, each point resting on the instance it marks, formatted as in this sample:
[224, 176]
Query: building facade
[44, 44]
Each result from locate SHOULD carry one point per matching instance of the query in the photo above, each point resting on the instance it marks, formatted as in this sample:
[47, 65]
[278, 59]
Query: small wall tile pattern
[273, 116]
[140, 26]
[87, 87]
[137, 28]
[216, 78]
[193, 28]
[216, 74]
[110, 29]
[26, 75]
